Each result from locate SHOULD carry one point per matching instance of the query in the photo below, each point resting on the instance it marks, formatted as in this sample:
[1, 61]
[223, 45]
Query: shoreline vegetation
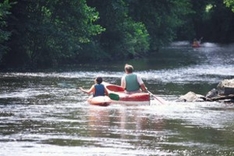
[52, 34]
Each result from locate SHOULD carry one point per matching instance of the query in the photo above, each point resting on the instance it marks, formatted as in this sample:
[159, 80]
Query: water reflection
[98, 120]
[127, 123]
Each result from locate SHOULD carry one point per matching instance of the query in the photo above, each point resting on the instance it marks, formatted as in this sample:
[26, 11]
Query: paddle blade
[114, 96]
[160, 100]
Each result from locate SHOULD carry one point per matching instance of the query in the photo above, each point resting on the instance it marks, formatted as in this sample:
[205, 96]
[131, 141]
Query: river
[42, 113]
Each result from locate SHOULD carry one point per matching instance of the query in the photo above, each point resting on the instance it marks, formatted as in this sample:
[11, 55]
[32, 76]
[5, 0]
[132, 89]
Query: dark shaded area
[44, 34]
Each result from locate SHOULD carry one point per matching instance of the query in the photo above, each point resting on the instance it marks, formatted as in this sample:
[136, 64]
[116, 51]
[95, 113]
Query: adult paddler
[132, 82]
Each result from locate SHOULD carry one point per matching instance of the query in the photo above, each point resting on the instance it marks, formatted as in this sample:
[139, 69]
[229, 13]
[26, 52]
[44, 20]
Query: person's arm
[143, 87]
[123, 83]
[91, 90]
[106, 92]
[141, 83]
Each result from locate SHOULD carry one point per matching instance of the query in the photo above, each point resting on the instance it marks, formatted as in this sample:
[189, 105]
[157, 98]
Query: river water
[42, 113]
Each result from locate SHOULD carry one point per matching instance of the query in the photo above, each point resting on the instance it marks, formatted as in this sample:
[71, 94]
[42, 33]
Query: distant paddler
[196, 43]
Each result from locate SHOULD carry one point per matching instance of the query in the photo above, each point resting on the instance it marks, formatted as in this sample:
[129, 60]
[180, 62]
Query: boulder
[212, 93]
[191, 97]
[226, 87]
[223, 92]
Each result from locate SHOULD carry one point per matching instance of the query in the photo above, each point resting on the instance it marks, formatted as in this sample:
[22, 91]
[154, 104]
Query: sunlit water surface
[43, 113]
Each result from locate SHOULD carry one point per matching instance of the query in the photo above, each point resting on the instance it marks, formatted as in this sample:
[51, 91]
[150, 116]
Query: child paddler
[98, 89]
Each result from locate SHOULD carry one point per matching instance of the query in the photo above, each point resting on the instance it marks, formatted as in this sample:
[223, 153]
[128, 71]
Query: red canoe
[99, 100]
[117, 94]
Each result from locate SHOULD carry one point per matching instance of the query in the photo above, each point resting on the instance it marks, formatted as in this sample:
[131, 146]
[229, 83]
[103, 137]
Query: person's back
[99, 90]
[132, 84]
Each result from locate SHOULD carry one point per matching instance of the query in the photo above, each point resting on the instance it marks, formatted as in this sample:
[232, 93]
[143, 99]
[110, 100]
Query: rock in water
[191, 97]
[226, 87]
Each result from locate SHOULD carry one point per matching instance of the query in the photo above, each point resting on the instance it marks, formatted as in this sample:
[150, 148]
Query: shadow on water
[44, 114]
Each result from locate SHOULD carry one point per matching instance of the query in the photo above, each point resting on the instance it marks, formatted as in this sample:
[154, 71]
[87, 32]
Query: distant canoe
[196, 45]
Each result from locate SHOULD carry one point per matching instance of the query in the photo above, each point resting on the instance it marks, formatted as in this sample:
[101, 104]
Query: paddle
[155, 97]
[199, 41]
[114, 96]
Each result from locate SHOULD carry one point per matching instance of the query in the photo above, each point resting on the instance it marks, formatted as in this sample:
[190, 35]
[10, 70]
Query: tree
[229, 3]
[50, 31]
[123, 37]
[4, 34]
[215, 21]
[162, 18]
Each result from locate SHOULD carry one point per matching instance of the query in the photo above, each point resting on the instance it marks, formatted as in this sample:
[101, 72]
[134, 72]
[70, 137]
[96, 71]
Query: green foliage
[136, 38]
[215, 21]
[229, 3]
[47, 33]
[50, 31]
[123, 37]
[161, 18]
[4, 34]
